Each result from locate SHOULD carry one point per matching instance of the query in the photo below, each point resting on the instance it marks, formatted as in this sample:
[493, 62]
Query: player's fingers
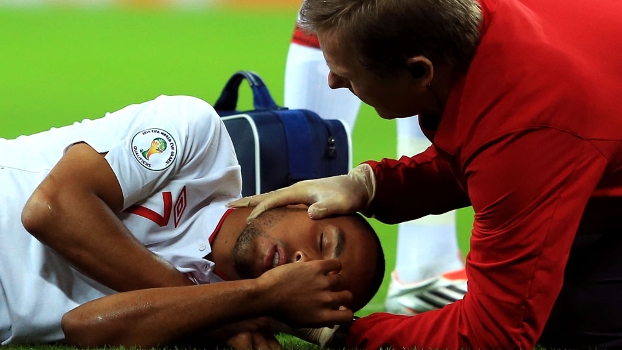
[329, 266]
[265, 341]
[340, 299]
[337, 283]
[339, 316]
[280, 327]
[274, 343]
[241, 341]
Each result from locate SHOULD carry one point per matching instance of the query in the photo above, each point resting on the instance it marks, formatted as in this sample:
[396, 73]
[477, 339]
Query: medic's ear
[417, 71]
[421, 69]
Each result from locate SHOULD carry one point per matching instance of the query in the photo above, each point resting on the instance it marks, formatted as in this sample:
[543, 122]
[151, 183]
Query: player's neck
[224, 241]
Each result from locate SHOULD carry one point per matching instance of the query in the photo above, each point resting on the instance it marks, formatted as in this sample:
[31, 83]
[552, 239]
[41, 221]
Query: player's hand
[249, 334]
[342, 194]
[253, 340]
[307, 294]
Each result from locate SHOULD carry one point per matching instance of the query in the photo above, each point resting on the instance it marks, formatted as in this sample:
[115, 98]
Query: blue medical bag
[277, 146]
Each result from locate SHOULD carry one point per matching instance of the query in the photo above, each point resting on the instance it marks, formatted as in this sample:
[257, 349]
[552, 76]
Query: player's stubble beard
[242, 251]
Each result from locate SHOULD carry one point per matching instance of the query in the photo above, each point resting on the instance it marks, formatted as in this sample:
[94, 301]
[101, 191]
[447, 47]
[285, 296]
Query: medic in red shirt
[521, 100]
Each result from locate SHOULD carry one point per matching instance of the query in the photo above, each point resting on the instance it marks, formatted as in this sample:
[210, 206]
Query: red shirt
[531, 137]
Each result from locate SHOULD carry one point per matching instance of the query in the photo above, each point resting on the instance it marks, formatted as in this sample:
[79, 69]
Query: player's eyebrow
[341, 240]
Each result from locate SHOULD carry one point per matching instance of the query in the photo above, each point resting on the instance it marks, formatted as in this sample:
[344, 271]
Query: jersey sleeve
[528, 189]
[426, 182]
[159, 140]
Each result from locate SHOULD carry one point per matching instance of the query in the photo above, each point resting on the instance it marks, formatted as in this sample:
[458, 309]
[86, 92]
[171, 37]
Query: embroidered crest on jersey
[154, 149]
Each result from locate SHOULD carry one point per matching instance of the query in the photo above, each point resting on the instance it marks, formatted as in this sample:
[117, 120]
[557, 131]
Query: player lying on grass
[164, 315]
[135, 200]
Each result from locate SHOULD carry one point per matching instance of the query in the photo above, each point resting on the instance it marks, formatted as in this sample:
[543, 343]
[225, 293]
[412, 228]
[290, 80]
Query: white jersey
[177, 168]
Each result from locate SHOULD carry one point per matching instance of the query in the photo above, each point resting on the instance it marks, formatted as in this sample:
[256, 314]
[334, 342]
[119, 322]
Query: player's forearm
[161, 316]
[426, 184]
[305, 294]
[84, 230]
[72, 211]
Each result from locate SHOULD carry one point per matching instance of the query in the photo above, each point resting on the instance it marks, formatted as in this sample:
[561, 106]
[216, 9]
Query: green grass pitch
[60, 65]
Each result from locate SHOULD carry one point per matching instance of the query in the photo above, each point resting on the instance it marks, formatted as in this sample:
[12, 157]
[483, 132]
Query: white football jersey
[177, 168]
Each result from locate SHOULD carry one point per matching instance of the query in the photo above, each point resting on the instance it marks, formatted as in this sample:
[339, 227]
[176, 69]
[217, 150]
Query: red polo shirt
[531, 137]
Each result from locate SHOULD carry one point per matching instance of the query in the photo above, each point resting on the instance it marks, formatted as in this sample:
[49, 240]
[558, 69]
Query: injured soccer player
[339, 272]
[125, 239]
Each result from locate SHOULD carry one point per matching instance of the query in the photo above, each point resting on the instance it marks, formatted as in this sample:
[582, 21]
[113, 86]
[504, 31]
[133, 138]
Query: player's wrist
[265, 292]
[259, 298]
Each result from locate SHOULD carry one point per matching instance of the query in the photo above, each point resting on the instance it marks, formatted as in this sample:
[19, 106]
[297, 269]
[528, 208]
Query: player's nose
[303, 256]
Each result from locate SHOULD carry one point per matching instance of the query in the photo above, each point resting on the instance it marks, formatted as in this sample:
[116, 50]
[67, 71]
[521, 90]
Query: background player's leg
[306, 86]
[427, 248]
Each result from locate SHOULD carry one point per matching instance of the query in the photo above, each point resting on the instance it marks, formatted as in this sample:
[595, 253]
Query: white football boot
[430, 294]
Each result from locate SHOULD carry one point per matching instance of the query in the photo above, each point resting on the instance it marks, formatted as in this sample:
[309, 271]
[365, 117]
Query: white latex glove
[343, 194]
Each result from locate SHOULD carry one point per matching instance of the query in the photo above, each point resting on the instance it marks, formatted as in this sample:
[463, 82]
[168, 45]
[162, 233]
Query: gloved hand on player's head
[342, 194]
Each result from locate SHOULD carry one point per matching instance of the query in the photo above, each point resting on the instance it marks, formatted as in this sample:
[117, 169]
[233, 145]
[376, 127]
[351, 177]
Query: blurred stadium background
[66, 60]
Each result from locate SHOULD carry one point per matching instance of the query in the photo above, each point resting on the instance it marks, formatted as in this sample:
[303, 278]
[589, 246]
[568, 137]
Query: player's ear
[421, 69]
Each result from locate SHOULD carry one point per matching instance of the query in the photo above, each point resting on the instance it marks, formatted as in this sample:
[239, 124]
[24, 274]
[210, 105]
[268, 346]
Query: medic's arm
[528, 204]
[413, 187]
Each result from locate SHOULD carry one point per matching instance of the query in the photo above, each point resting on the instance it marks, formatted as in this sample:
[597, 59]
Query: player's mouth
[274, 258]
[275, 261]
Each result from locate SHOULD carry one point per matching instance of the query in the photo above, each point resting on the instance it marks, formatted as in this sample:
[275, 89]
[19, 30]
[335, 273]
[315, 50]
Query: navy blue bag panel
[276, 146]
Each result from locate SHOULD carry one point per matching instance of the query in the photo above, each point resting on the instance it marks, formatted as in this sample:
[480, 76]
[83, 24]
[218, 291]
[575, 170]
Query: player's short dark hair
[378, 275]
[268, 218]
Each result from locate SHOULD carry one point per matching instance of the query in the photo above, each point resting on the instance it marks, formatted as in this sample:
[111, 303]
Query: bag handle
[228, 99]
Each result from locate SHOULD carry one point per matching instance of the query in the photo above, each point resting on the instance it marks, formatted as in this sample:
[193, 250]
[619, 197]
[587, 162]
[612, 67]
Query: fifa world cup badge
[154, 149]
